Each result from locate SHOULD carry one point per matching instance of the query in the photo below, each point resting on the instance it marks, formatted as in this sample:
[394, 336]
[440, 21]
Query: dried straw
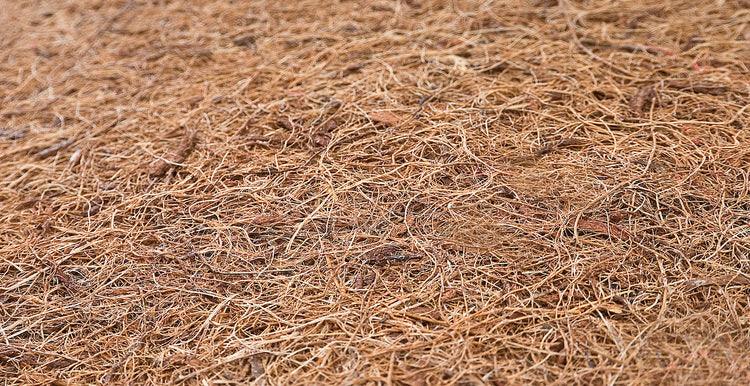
[355, 192]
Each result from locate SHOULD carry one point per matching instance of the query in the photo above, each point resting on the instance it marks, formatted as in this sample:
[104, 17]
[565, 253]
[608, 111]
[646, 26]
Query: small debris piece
[695, 283]
[642, 98]
[64, 279]
[8, 352]
[195, 100]
[93, 208]
[10, 134]
[387, 118]
[351, 69]
[565, 142]
[159, 167]
[322, 136]
[257, 371]
[27, 204]
[721, 281]
[58, 121]
[691, 43]
[266, 220]
[449, 294]
[52, 150]
[155, 56]
[611, 308]
[363, 279]
[388, 254]
[285, 123]
[201, 53]
[425, 314]
[495, 68]
[632, 48]
[710, 89]
[321, 139]
[597, 226]
[245, 41]
[75, 157]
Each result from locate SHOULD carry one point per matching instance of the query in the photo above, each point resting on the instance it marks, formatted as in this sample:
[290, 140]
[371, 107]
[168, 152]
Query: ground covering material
[359, 192]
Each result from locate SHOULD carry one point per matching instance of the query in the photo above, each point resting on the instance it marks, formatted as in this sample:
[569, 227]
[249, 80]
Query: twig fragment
[158, 168]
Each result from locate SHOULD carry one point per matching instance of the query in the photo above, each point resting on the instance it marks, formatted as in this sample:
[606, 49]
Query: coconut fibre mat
[389, 192]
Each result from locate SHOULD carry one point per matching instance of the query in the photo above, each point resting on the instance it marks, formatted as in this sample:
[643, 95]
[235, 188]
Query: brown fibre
[359, 192]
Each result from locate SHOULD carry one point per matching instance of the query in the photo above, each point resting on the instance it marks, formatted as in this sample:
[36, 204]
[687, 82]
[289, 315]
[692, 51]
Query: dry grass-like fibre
[413, 191]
